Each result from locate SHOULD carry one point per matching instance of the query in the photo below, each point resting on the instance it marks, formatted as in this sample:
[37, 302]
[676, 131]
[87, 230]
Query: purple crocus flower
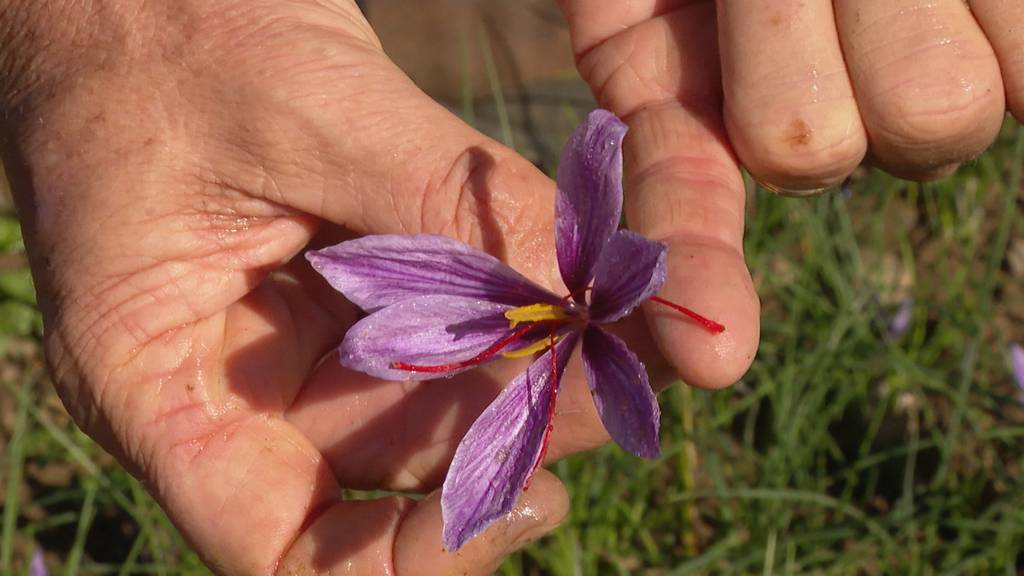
[439, 307]
[1017, 365]
[900, 321]
[37, 566]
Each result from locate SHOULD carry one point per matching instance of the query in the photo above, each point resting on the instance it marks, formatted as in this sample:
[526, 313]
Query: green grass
[842, 451]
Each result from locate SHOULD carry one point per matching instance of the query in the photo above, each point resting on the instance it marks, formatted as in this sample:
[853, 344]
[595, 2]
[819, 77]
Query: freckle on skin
[799, 134]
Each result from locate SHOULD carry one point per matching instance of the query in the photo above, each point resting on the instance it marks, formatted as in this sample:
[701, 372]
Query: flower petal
[900, 321]
[1017, 364]
[588, 203]
[37, 566]
[496, 457]
[622, 393]
[376, 271]
[426, 331]
[631, 270]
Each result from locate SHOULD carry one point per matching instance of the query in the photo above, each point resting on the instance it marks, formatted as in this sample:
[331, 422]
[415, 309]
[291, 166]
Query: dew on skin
[724, 344]
[815, 88]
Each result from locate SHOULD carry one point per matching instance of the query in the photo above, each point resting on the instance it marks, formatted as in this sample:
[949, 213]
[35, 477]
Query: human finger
[397, 536]
[683, 184]
[401, 435]
[926, 79]
[394, 434]
[1002, 21]
[694, 202]
[789, 106]
[196, 415]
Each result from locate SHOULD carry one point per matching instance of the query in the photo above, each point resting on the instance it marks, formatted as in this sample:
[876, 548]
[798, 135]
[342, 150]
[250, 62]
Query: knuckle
[609, 67]
[687, 193]
[641, 65]
[467, 200]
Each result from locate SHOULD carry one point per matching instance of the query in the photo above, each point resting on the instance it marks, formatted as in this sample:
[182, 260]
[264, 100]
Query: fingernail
[791, 192]
[795, 193]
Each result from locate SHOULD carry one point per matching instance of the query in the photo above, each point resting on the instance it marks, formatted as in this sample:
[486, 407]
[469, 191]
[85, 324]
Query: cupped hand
[811, 88]
[173, 160]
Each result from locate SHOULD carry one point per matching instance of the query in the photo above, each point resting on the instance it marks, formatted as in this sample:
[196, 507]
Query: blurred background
[880, 430]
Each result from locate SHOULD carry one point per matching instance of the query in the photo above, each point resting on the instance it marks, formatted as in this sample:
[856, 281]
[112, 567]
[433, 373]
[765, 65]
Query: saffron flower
[438, 307]
[900, 321]
[1017, 365]
[37, 566]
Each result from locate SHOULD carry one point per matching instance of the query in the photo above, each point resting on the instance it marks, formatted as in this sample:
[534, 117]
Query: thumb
[418, 548]
[393, 536]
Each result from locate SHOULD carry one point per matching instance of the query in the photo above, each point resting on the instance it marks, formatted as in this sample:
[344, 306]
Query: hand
[809, 87]
[173, 160]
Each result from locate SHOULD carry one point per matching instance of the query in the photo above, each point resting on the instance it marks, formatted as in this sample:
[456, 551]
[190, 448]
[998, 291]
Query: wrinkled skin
[171, 160]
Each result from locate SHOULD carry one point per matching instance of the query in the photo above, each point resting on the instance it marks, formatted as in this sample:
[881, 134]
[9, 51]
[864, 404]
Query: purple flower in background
[846, 188]
[1017, 365]
[900, 321]
[37, 566]
[439, 307]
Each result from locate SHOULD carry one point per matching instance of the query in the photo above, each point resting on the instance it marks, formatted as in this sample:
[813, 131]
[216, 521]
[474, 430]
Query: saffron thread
[707, 323]
[504, 342]
[491, 350]
[555, 381]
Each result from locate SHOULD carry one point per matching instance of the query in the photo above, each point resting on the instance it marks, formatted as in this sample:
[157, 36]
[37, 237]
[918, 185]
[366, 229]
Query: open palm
[171, 198]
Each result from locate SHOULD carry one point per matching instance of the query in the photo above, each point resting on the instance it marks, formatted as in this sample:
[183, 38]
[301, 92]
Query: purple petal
[498, 453]
[376, 271]
[631, 270]
[37, 566]
[900, 322]
[622, 393]
[426, 331]
[588, 203]
[1017, 364]
[846, 188]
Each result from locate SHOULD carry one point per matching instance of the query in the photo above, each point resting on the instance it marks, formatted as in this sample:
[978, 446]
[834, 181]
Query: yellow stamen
[538, 346]
[535, 313]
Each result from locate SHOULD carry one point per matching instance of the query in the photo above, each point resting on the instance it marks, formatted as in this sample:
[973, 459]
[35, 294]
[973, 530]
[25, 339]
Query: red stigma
[491, 351]
[707, 323]
[551, 412]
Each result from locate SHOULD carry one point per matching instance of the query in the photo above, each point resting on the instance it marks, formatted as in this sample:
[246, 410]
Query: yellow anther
[535, 313]
[538, 346]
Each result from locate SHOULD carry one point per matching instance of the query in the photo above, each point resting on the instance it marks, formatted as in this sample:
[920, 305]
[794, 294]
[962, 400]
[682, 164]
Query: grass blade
[15, 467]
[494, 81]
[82, 531]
